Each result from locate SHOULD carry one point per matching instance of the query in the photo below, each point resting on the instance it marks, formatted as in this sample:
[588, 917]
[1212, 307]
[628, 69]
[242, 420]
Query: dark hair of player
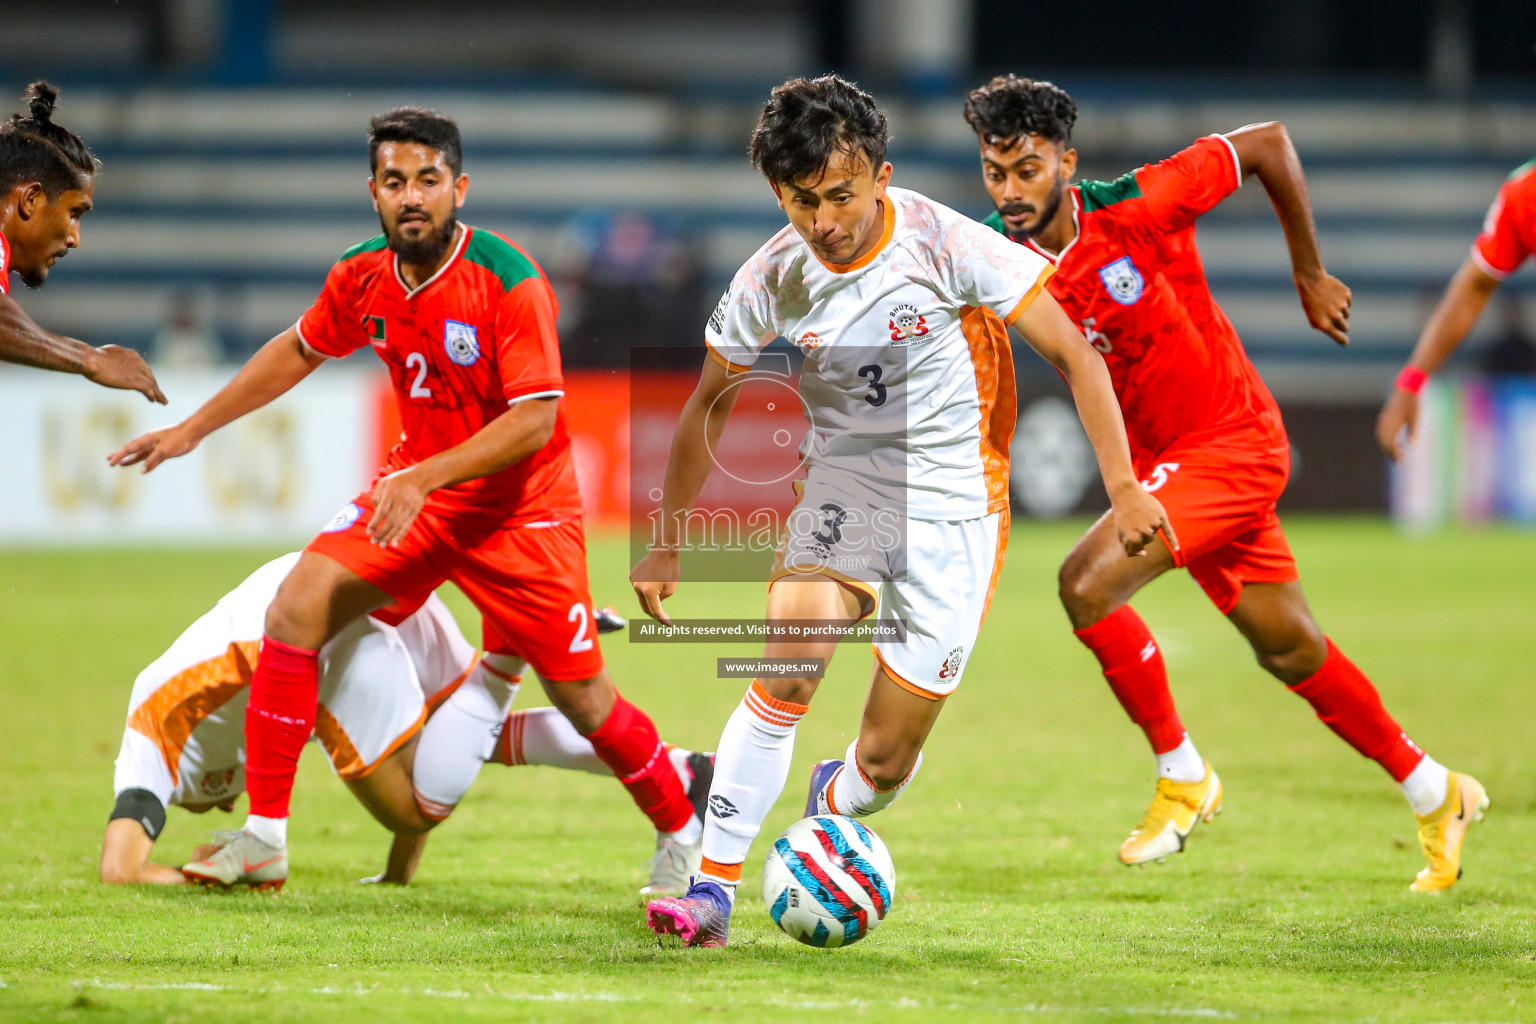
[1009, 107]
[33, 148]
[421, 126]
[807, 121]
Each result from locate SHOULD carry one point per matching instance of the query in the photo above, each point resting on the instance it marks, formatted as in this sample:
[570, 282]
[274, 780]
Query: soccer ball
[828, 881]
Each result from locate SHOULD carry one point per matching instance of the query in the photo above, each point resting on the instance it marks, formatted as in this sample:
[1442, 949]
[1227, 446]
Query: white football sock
[1182, 763]
[1426, 786]
[751, 767]
[461, 735]
[852, 793]
[545, 736]
[272, 831]
[688, 835]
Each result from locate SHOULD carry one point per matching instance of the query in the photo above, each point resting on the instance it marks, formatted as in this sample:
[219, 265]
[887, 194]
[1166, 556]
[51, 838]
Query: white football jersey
[185, 734]
[908, 375]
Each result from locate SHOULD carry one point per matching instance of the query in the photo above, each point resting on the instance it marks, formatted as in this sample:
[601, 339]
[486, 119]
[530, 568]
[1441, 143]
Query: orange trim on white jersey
[180, 704]
[729, 366]
[1004, 521]
[905, 684]
[1046, 273]
[869, 594]
[344, 756]
[887, 231]
[992, 362]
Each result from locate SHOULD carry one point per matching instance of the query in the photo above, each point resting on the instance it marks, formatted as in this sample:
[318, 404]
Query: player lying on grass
[382, 720]
[481, 489]
[1507, 238]
[47, 176]
[902, 308]
[1207, 439]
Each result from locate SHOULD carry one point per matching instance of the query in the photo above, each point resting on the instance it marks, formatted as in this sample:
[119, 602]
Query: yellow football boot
[1441, 832]
[1176, 809]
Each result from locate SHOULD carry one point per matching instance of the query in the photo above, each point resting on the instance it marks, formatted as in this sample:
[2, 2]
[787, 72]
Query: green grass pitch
[1293, 905]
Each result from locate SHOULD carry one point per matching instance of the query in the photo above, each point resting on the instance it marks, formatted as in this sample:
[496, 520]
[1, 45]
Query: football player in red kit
[481, 490]
[47, 177]
[1507, 238]
[1207, 439]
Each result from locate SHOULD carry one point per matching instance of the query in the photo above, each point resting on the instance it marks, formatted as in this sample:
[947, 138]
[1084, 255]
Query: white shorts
[937, 577]
[185, 734]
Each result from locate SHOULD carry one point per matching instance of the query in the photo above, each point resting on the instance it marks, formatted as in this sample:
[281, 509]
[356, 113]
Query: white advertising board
[276, 475]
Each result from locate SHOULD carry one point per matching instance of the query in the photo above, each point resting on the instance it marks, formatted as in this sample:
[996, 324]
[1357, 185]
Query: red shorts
[528, 582]
[1221, 502]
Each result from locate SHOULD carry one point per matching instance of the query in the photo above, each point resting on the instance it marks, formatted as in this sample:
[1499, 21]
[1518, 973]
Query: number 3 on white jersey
[1159, 477]
[418, 362]
[580, 642]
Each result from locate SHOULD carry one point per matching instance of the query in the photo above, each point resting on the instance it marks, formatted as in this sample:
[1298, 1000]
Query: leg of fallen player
[752, 760]
[316, 600]
[1096, 583]
[1276, 621]
[387, 794]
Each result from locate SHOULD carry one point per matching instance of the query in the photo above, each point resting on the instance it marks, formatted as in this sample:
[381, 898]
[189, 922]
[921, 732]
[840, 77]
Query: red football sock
[1133, 667]
[628, 743]
[285, 690]
[1348, 704]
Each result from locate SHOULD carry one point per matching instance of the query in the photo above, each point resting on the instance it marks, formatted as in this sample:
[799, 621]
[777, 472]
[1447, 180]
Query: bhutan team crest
[907, 325]
[952, 664]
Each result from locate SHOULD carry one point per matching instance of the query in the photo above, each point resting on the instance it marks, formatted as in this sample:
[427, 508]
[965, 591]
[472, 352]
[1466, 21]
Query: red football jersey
[5, 266]
[1509, 230]
[1133, 280]
[474, 338]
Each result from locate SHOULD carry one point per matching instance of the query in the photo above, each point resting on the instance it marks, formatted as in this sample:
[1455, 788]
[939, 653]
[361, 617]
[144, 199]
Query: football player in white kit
[398, 696]
[901, 307]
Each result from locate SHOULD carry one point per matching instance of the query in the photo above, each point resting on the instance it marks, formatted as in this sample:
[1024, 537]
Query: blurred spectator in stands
[185, 342]
[1512, 350]
[640, 284]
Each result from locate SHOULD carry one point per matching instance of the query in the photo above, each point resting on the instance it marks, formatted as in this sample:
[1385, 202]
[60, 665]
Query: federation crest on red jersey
[1123, 280]
[460, 342]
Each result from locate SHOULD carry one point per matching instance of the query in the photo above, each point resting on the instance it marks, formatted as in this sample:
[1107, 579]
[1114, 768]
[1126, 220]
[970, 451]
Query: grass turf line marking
[611, 997]
[331, 990]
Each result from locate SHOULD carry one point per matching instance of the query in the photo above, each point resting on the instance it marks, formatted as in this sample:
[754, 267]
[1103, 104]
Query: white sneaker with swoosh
[241, 859]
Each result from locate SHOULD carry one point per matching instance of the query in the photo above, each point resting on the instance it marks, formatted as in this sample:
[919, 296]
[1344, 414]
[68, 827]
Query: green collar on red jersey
[500, 257]
[1099, 194]
[372, 245]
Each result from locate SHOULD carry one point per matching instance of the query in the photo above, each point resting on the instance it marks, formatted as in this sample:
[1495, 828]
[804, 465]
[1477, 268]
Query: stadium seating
[228, 195]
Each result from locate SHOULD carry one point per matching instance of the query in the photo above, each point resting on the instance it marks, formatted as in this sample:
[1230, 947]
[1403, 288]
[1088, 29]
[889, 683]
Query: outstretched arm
[22, 341]
[1459, 309]
[1265, 150]
[272, 371]
[1050, 332]
[705, 414]
[125, 857]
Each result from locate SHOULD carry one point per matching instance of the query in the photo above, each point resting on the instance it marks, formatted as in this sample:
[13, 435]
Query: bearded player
[902, 307]
[47, 177]
[381, 677]
[481, 489]
[1508, 237]
[1207, 438]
